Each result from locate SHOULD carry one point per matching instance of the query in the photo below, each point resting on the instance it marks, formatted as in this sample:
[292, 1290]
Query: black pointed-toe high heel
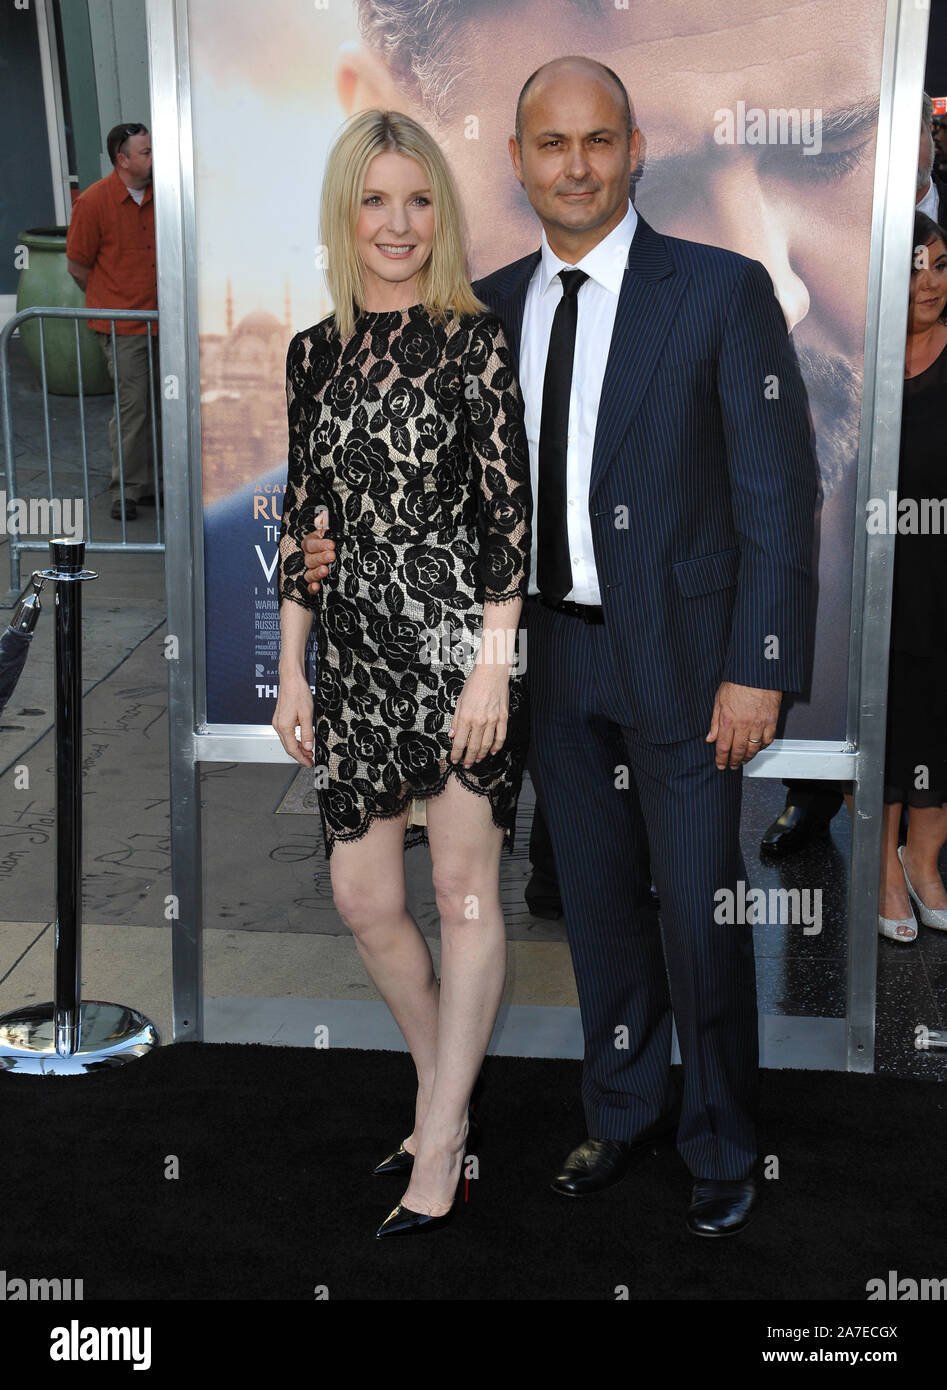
[404, 1221]
[401, 1161]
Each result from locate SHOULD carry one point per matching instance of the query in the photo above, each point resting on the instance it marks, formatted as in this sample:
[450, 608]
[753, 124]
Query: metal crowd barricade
[41, 313]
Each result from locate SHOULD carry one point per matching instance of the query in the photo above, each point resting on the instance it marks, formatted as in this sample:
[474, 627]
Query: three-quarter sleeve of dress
[305, 491]
[499, 461]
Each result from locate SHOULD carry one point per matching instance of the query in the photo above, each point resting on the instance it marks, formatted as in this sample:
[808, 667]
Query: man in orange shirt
[110, 251]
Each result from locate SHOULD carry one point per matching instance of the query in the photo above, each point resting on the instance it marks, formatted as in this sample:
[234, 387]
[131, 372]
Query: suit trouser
[541, 854]
[135, 401]
[822, 799]
[673, 815]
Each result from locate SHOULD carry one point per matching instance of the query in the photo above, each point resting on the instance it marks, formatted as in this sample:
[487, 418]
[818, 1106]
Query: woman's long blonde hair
[442, 282]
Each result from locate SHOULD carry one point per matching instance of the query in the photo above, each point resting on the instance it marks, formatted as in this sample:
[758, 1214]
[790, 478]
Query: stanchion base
[110, 1035]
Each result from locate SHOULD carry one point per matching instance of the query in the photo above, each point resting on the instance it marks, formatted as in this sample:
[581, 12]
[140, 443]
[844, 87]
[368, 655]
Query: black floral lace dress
[410, 434]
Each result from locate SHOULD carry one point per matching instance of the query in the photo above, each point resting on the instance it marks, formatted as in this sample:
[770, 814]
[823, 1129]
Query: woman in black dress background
[407, 445]
[916, 752]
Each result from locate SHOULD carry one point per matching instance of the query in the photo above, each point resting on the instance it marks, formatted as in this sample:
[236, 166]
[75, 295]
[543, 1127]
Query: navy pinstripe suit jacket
[703, 436]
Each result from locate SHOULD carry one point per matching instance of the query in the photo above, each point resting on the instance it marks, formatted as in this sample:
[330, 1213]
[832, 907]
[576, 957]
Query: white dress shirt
[930, 203]
[597, 303]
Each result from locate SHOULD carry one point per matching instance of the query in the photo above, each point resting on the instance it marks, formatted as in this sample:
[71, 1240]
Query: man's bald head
[574, 67]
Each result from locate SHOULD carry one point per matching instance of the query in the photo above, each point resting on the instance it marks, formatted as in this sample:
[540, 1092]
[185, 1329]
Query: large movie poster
[758, 121]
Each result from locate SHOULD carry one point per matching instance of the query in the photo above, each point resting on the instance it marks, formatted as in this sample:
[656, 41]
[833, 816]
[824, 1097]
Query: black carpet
[275, 1200]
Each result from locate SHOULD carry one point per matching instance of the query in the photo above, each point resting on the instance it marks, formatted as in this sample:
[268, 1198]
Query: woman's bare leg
[465, 853]
[893, 900]
[368, 888]
[927, 835]
[927, 832]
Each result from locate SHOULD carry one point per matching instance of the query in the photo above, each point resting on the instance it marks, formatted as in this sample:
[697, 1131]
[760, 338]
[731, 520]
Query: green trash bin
[45, 281]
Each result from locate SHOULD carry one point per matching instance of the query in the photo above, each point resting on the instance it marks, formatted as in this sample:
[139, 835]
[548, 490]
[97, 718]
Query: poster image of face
[758, 127]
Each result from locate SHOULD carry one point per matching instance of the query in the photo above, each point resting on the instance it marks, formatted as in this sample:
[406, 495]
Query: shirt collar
[605, 263]
[120, 190]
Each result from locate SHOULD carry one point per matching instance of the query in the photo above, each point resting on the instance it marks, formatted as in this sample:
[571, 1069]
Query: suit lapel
[515, 304]
[650, 292]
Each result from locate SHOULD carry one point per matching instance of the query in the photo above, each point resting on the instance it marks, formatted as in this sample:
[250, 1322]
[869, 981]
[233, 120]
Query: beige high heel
[900, 929]
[935, 917]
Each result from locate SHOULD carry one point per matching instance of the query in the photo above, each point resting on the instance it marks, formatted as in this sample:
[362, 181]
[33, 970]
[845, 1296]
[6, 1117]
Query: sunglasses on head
[136, 128]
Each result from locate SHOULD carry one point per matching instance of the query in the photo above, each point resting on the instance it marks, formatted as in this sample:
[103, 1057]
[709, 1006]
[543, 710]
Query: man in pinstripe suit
[691, 486]
[689, 498]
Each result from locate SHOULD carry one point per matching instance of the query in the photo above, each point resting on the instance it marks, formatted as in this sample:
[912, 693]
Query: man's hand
[743, 722]
[79, 273]
[319, 551]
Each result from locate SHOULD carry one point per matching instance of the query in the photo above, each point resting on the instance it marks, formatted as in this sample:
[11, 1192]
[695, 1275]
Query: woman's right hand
[294, 708]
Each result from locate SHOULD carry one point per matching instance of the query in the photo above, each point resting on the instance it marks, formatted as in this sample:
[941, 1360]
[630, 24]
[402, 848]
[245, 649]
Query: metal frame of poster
[859, 757]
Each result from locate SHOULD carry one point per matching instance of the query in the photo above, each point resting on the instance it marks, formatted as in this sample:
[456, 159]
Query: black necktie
[553, 565]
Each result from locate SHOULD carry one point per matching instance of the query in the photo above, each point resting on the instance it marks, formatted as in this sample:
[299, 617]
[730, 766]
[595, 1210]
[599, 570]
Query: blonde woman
[407, 445]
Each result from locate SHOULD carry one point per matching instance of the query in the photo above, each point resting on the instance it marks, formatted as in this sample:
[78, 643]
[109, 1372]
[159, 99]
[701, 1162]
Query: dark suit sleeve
[774, 487]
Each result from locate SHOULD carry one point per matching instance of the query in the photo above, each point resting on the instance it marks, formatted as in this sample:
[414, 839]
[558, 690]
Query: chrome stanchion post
[70, 1035]
[67, 570]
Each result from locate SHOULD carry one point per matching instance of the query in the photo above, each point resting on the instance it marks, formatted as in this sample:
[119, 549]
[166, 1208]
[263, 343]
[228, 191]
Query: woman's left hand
[480, 715]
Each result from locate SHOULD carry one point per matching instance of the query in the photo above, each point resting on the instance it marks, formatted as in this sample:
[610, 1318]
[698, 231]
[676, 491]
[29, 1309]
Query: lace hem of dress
[417, 834]
[921, 800]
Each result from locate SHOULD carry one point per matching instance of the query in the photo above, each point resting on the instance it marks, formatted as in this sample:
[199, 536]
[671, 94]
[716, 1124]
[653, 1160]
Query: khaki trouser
[137, 465]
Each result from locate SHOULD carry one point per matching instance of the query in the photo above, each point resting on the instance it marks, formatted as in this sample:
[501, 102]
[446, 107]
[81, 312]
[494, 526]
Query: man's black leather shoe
[792, 828]
[720, 1207]
[600, 1162]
